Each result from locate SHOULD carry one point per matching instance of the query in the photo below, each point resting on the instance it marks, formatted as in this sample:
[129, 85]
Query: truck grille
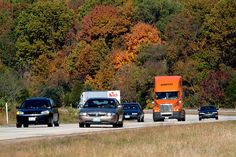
[166, 108]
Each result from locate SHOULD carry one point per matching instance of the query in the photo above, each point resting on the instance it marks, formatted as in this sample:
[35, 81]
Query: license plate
[134, 113]
[96, 119]
[127, 116]
[32, 118]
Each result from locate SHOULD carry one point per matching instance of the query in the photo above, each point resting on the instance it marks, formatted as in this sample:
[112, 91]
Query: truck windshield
[166, 95]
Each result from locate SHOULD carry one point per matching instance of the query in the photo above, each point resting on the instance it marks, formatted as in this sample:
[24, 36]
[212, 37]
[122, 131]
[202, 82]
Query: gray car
[101, 111]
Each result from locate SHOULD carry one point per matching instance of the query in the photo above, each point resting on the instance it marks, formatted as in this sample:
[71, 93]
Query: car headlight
[215, 112]
[45, 112]
[83, 114]
[201, 113]
[19, 112]
[110, 114]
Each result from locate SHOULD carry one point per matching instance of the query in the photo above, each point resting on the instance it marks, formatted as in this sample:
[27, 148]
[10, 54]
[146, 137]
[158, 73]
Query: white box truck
[99, 94]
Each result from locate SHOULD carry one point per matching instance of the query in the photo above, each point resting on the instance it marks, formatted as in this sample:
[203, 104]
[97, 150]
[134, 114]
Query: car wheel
[26, 125]
[18, 125]
[114, 125]
[56, 124]
[138, 120]
[120, 124]
[200, 119]
[81, 125]
[50, 123]
[87, 125]
[142, 120]
[216, 118]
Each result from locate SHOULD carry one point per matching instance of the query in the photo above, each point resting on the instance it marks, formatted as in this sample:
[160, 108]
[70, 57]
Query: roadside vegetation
[209, 139]
[60, 48]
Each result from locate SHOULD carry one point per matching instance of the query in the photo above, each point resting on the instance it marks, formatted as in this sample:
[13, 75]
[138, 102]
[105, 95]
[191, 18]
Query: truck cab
[168, 98]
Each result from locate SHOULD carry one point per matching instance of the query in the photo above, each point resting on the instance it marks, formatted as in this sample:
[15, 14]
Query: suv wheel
[18, 125]
[56, 124]
[81, 125]
[50, 123]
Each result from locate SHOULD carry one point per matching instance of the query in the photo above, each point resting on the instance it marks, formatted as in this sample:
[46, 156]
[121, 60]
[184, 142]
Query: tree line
[60, 48]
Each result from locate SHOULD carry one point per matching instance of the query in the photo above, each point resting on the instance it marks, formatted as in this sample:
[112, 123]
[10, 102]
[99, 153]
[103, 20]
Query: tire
[87, 125]
[216, 118]
[142, 120]
[18, 125]
[26, 125]
[200, 119]
[50, 123]
[81, 125]
[114, 125]
[56, 124]
[120, 125]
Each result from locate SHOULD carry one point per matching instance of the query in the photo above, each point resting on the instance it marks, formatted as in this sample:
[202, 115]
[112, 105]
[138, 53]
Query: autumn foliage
[141, 34]
[61, 48]
[103, 21]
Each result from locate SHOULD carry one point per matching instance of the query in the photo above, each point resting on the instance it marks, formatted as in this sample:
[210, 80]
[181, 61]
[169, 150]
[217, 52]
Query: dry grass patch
[198, 140]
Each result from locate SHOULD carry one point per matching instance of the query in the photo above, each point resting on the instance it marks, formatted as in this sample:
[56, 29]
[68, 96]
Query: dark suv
[208, 111]
[133, 111]
[37, 111]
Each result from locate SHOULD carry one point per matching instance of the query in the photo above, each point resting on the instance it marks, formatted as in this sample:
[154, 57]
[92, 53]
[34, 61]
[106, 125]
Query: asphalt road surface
[13, 133]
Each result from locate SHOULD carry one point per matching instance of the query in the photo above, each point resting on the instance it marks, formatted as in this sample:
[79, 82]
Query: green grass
[198, 140]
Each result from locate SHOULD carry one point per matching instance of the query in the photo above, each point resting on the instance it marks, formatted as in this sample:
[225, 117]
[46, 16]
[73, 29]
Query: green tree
[156, 12]
[218, 31]
[41, 29]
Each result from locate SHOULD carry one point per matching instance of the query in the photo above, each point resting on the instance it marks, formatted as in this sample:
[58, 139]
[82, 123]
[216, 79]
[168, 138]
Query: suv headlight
[45, 112]
[19, 113]
[83, 114]
[110, 114]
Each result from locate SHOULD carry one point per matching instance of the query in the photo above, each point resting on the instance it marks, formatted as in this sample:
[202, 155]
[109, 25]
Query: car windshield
[130, 107]
[35, 104]
[100, 103]
[208, 108]
[166, 95]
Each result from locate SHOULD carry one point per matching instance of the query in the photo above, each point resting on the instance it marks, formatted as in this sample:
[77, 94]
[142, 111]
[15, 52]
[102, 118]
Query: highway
[12, 133]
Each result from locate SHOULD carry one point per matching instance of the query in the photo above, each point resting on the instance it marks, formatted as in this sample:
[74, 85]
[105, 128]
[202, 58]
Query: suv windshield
[36, 104]
[208, 108]
[100, 103]
[130, 107]
[166, 95]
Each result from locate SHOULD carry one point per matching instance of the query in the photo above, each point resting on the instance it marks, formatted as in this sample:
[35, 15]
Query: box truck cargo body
[99, 94]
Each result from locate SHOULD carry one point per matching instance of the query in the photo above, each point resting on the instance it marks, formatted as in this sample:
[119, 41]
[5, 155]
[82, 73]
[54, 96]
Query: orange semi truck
[168, 98]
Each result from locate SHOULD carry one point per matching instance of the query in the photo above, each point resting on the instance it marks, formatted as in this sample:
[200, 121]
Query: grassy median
[198, 140]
